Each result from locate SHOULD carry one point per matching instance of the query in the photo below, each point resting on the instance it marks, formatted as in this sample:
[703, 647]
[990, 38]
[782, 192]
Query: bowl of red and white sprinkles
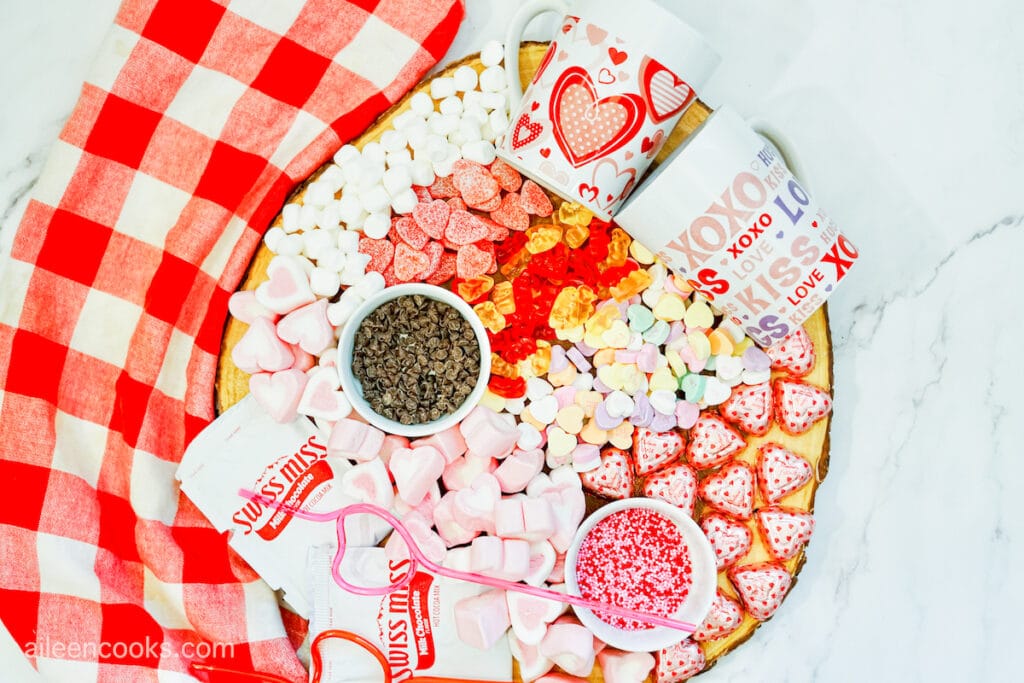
[646, 555]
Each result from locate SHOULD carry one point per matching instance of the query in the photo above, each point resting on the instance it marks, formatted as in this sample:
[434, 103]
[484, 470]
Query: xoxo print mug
[611, 87]
[729, 211]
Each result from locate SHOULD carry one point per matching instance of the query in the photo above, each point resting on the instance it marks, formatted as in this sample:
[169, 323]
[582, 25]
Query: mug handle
[783, 146]
[514, 36]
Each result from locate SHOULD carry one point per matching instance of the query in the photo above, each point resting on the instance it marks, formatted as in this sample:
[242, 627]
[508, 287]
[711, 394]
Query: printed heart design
[749, 407]
[676, 484]
[534, 106]
[794, 354]
[780, 234]
[761, 587]
[730, 490]
[584, 189]
[650, 146]
[278, 393]
[785, 530]
[780, 472]
[545, 61]
[628, 155]
[617, 56]
[570, 23]
[712, 442]
[595, 34]
[730, 539]
[607, 175]
[679, 662]
[623, 76]
[545, 152]
[614, 478]
[563, 55]
[665, 93]
[525, 131]
[653, 449]
[548, 169]
[586, 127]
[725, 617]
[798, 405]
[605, 76]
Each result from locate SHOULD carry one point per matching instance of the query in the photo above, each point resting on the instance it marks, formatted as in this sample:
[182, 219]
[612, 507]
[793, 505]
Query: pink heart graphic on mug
[548, 169]
[595, 34]
[623, 76]
[563, 55]
[665, 93]
[586, 127]
[608, 175]
[605, 76]
[544, 62]
[525, 132]
[585, 189]
[628, 155]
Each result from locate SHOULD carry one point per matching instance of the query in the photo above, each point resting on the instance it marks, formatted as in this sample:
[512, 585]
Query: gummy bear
[503, 299]
[473, 289]
[514, 266]
[542, 237]
[571, 213]
[632, 284]
[552, 264]
[572, 307]
[618, 247]
[507, 387]
[540, 361]
[576, 235]
[502, 368]
[490, 316]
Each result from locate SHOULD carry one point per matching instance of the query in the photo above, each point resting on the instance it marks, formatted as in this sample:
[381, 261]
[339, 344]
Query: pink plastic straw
[417, 559]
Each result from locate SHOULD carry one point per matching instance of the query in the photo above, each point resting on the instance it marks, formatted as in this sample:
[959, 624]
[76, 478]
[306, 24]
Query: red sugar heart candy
[432, 217]
[511, 213]
[535, 200]
[409, 262]
[457, 204]
[490, 205]
[410, 232]
[477, 187]
[422, 193]
[472, 261]
[445, 269]
[464, 228]
[507, 177]
[434, 251]
[443, 188]
[389, 276]
[381, 253]
[495, 232]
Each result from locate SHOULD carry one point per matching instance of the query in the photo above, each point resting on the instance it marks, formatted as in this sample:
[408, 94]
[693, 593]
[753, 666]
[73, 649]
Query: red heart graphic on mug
[665, 93]
[534, 106]
[586, 127]
[525, 132]
[544, 62]
[585, 189]
[617, 56]
[605, 76]
[545, 152]
[650, 145]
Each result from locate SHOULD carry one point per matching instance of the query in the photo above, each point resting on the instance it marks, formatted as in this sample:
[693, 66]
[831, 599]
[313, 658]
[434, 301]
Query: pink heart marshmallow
[482, 620]
[368, 482]
[416, 471]
[322, 398]
[278, 393]
[261, 350]
[244, 306]
[355, 440]
[488, 434]
[288, 286]
[308, 327]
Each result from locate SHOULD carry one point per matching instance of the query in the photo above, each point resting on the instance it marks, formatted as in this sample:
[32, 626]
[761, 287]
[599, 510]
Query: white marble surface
[909, 117]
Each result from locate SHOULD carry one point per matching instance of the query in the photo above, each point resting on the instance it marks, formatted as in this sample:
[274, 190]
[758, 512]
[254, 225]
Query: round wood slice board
[233, 384]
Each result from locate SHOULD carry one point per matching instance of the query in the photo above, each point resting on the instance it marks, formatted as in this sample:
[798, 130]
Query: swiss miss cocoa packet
[287, 463]
[414, 627]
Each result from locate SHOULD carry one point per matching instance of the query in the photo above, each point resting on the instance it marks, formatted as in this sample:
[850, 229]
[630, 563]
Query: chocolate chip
[416, 358]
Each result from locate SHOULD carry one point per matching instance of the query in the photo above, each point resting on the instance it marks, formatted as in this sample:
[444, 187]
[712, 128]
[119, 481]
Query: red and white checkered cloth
[198, 119]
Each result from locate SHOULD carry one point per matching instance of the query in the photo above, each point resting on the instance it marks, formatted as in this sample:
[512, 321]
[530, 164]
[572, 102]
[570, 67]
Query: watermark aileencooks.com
[147, 648]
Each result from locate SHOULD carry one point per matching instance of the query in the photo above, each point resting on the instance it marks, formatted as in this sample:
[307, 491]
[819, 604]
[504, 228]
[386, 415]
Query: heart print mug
[611, 87]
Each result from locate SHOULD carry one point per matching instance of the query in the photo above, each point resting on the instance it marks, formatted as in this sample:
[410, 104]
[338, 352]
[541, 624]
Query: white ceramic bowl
[354, 390]
[698, 600]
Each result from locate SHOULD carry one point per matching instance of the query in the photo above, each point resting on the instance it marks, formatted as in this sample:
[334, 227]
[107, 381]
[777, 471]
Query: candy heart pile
[611, 378]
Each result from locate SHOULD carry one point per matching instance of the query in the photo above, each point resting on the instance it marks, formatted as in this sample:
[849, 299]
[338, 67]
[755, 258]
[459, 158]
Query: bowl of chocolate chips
[414, 359]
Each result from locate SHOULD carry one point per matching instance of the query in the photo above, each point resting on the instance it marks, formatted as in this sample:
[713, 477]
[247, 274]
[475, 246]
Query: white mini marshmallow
[422, 173]
[397, 179]
[355, 268]
[374, 151]
[436, 148]
[377, 225]
[405, 201]
[346, 154]
[348, 240]
[273, 237]
[338, 313]
[465, 78]
[357, 222]
[393, 140]
[290, 217]
[375, 198]
[290, 245]
[371, 283]
[472, 98]
[475, 113]
[417, 134]
[497, 101]
[332, 258]
[329, 217]
[316, 242]
[307, 217]
[333, 178]
[480, 151]
[372, 172]
[402, 157]
[349, 207]
[405, 119]
[324, 282]
[318, 194]
[469, 130]
[444, 168]
[493, 79]
[498, 121]
[444, 124]
[451, 105]
[442, 87]
[421, 103]
[493, 53]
